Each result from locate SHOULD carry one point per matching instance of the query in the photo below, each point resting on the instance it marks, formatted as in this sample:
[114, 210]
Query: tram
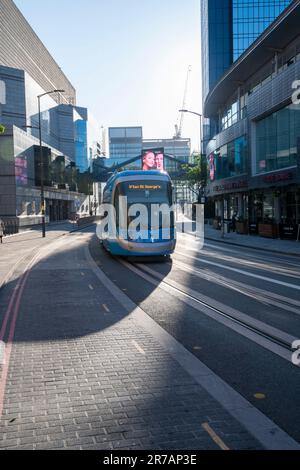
[143, 216]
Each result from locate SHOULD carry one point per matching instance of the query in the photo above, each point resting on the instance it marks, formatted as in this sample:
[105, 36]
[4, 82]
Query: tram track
[261, 295]
[270, 338]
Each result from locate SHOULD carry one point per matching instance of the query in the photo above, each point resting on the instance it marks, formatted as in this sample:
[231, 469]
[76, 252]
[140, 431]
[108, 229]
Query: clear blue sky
[127, 58]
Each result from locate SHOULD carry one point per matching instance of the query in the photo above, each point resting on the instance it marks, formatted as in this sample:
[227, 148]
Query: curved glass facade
[250, 18]
[277, 140]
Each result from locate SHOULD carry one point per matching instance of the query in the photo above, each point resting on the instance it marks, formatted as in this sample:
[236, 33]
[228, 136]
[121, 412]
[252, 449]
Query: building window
[251, 18]
[277, 140]
[230, 160]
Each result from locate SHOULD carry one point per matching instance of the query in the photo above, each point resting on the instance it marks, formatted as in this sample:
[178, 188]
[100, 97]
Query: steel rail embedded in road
[264, 335]
[260, 295]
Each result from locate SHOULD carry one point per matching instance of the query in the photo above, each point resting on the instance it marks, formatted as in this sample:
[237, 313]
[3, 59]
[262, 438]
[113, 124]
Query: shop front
[231, 203]
[274, 205]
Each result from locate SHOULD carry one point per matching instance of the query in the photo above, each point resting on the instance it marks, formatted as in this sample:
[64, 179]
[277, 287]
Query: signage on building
[278, 177]
[232, 186]
[212, 167]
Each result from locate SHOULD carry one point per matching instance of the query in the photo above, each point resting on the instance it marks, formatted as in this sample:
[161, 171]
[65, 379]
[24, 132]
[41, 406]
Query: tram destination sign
[144, 187]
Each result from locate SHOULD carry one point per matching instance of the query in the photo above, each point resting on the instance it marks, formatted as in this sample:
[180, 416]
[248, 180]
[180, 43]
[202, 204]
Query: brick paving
[83, 377]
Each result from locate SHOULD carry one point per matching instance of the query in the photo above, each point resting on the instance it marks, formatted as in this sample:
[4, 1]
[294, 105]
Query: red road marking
[14, 305]
[9, 309]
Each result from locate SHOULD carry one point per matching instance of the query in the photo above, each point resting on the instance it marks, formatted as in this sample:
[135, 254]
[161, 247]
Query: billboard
[21, 170]
[212, 167]
[153, 159]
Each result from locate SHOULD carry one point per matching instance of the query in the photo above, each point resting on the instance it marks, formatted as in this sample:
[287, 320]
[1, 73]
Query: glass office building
[228, 28]
[250, 18]
[125, 143]
[216, 40]
[253, 158]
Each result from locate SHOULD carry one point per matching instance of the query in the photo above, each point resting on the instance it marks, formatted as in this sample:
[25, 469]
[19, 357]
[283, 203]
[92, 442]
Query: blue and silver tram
[151, 189]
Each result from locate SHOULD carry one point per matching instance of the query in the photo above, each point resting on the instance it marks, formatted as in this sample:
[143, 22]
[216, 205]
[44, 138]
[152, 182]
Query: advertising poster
[153, 159]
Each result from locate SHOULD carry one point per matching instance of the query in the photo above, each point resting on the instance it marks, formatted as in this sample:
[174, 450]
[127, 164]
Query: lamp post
[201, 129]
[201, 118]
[43, 208]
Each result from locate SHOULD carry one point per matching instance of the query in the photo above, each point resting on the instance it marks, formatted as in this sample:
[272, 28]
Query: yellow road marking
[137, 346]
[217, 440]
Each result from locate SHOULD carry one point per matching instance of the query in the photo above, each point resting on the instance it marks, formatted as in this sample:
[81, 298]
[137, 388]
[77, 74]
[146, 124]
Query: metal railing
[10, 227]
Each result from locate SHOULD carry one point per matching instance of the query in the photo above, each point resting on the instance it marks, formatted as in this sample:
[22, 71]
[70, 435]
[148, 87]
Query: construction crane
[179, 124]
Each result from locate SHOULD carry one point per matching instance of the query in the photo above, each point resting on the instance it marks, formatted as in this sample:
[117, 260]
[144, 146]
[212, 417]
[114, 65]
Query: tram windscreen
[149, 194]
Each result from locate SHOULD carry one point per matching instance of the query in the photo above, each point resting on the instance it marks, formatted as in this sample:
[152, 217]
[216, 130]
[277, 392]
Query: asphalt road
[234, 281]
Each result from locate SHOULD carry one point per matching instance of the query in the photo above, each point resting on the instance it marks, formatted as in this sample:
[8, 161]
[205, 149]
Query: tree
[2, 129]
[196, 176]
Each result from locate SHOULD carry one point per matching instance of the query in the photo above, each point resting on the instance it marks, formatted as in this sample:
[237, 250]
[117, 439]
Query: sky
[127, 59]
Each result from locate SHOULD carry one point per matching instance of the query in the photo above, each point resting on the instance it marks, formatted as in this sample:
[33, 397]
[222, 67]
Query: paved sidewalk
[83, 374]
[21, 246]
[265, 244]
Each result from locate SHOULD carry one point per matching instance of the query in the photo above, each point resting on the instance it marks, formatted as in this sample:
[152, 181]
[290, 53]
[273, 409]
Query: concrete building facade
[22, 49]
[71, 137]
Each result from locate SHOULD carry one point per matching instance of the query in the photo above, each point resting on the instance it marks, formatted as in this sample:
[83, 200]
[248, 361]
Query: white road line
[91, 287]
[269, 298]
[194, 299]
[217, 440]
[138, 347]
[106, 308]
[246, 262]
[240, 271]
[269, 434]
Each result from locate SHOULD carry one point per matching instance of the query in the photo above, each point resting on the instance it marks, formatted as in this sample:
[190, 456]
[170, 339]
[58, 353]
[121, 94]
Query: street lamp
[201, 117]
[42, 160]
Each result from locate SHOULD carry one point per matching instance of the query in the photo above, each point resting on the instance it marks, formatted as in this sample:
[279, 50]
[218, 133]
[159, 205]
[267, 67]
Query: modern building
[20, 180]
[254, 157]
[79, 135]
[228, 28]
[71, 138]
[125, 143]
[22, 49]
[178, 148]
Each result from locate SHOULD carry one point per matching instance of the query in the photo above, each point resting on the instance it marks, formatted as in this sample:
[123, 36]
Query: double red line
[11, 313]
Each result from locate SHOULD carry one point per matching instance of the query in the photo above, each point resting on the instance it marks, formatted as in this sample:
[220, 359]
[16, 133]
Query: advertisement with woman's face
[149, 161]
[153, 160]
